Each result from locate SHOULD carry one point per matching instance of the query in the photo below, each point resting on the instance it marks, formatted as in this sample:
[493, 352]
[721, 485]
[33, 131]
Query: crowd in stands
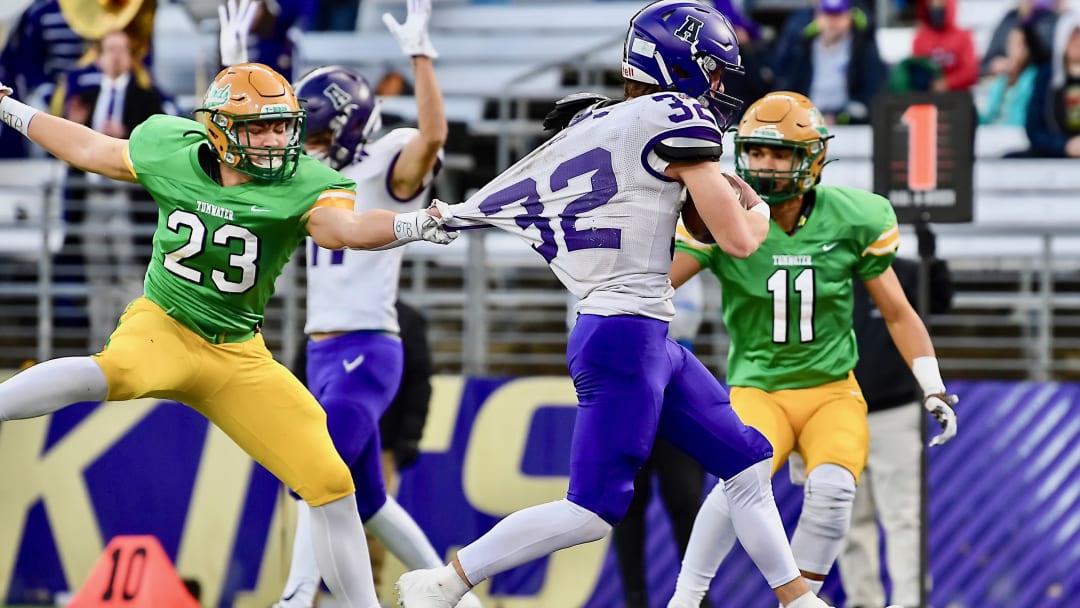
[1028, 75]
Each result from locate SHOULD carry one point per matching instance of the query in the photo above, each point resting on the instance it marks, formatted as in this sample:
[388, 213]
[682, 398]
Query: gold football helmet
[782, 119]
[250, 93]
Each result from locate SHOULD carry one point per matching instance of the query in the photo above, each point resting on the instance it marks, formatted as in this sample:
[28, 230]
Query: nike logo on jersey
[351, 365]
[258, 209]
[828, 246]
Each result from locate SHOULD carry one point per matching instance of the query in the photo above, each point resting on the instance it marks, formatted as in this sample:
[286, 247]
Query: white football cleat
[471, 601]
[422, 589]
[809, 600]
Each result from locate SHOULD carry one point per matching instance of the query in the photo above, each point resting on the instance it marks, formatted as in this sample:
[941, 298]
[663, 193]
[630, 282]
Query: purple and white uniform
[595, 203]
[356, 375]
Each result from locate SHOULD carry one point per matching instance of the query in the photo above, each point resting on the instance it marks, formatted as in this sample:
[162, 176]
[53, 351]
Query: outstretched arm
[419, 156]
[338, 228]
[71, 142]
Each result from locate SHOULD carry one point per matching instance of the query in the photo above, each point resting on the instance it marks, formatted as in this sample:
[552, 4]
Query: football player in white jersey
[354, 354]
[599, 201]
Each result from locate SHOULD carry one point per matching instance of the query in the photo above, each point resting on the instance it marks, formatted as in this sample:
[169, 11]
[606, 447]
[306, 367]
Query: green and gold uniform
[787, 308]
[193, 336]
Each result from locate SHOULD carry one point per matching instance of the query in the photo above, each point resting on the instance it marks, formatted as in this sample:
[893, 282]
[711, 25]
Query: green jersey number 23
[243, 261]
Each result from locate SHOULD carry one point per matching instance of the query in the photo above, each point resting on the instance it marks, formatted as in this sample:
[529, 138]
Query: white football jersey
[594, 200]
[350, 290]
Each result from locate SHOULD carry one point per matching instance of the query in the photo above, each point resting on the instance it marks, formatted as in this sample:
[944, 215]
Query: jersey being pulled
[788, 306]
[217, 251]
[350, 290]
[595, 203]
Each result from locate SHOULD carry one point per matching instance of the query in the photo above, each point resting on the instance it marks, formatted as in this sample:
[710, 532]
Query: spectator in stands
[835, 61]
[1053, 121]
[951, 46]
[1035, 19]
[891, 482]
[1009, 93]
[114, 106]
[50, 38]
[916, 75]
[40, 48]
[680, 478]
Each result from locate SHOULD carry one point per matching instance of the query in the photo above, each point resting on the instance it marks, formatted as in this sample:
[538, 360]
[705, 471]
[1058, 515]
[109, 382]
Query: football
[692, 219]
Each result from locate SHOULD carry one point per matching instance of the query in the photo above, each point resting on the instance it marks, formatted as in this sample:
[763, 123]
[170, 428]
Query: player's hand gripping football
[236, 19]
[412, 36]
[940, 405]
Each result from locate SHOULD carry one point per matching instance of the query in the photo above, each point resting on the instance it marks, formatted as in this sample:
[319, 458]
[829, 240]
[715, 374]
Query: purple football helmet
[341, 103]
[680, 45]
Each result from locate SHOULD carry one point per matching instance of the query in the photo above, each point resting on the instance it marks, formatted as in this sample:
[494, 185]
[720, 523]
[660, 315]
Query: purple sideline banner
[1005, 522]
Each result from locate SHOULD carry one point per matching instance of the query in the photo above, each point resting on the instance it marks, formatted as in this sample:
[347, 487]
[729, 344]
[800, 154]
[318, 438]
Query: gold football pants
[238, 386]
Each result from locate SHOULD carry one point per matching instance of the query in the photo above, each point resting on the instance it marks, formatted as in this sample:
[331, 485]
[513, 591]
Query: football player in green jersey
[235, 197]
[788, 310]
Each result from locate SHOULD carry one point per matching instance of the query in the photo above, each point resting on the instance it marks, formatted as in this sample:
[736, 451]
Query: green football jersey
[218, 251]
[788, 306]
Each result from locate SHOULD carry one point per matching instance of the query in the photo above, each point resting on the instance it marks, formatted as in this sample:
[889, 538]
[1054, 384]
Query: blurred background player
[787, 308]
[610, 181]
[890, 487]
[354, 353]
[236, 198]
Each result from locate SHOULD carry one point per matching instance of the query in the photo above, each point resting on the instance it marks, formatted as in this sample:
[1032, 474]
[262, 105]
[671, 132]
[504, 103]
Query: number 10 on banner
[922, 146]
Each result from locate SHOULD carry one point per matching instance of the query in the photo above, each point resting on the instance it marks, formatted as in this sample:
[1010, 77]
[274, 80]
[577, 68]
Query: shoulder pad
[568, 107]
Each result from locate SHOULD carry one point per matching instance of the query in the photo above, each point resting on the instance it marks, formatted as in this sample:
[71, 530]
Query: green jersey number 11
[804, 287]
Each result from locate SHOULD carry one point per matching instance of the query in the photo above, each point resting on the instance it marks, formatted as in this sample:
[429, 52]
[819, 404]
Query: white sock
[711, 540]
[303, 581]
[758, 524]
[529, 534]
[393, 525]
[341, 549]
[50, 386]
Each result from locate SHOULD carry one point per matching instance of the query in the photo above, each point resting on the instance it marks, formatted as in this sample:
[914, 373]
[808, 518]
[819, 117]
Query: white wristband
[762, 209]
[928, 375]
[16, 114]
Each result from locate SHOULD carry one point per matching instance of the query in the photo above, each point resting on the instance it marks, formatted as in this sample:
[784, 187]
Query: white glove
[236, 23]
[423, 226]
[940, 405]
[412, 36]
[5, 90]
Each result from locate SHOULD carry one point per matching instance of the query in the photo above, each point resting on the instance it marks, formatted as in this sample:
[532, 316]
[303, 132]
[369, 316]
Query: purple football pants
[633, 383]
[355, 377]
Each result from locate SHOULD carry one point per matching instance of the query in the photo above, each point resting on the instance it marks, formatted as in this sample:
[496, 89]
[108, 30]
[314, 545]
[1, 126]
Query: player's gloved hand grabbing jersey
[236, 19]
[423, 225]
[412, 36]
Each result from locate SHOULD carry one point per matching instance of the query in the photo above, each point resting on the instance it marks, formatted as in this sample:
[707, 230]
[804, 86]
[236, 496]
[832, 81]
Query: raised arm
[71, 142]
[419, 156]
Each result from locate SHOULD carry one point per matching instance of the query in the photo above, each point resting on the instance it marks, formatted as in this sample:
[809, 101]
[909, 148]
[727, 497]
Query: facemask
[936, 16]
